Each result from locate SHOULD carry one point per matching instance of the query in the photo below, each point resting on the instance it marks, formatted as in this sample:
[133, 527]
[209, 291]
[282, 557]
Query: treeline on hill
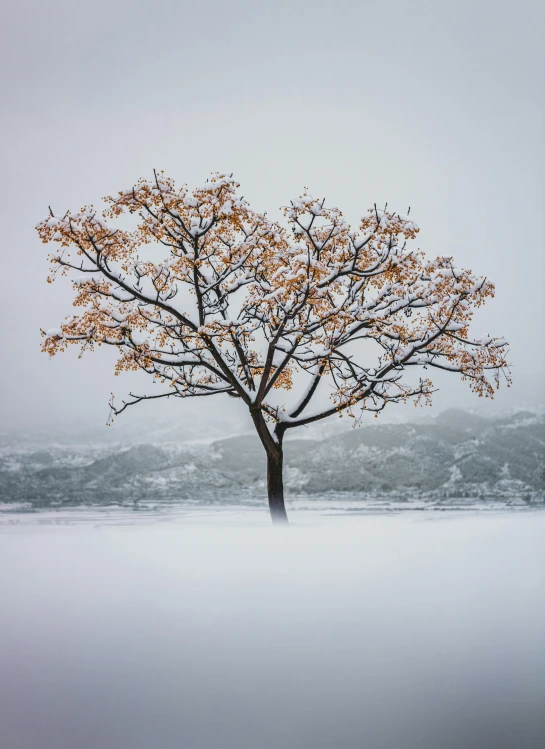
[457, 455]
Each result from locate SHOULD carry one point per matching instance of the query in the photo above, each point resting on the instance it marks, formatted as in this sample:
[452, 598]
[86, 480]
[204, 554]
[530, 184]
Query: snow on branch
[243, 305]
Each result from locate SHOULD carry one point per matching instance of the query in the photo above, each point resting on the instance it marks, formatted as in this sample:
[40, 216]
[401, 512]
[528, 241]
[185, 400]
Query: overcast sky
[434, 105]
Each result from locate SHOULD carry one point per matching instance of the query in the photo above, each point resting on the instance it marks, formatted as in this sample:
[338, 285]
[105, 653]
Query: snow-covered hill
[456, 455]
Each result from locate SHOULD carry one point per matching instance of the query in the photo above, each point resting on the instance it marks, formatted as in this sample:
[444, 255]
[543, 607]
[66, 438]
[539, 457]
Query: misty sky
[434, 105]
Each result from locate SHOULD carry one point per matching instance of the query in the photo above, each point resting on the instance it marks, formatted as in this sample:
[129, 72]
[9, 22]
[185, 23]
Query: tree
[246, 307]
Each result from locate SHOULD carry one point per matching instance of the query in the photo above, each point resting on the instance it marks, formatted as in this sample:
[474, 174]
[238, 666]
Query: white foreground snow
[369, 632]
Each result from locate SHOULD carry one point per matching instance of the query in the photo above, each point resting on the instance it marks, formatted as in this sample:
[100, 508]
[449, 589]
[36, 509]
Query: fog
[437, 106]
[206, 628]
[218, 631]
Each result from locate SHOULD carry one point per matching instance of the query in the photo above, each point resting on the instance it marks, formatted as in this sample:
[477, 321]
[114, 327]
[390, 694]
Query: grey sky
[435, 105]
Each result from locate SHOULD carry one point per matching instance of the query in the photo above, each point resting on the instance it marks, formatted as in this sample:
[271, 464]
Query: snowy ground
[212, 630]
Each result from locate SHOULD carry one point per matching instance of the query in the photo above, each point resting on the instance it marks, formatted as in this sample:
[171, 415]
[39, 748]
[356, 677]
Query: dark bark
[275, 458]
[275, 485]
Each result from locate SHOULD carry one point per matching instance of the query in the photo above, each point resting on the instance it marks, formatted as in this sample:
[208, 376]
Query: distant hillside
[456, 455]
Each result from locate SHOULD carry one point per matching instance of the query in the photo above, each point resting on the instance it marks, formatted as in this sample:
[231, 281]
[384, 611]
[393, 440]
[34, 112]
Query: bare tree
[245, 307]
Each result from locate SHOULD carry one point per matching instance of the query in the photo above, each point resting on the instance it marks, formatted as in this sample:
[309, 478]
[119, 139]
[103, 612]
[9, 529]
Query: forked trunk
[275, 486]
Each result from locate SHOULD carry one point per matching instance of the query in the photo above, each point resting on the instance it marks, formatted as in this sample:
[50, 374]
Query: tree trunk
[275, 486]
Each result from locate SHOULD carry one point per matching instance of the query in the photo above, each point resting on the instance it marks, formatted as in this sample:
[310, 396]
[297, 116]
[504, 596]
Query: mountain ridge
[457, 454]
